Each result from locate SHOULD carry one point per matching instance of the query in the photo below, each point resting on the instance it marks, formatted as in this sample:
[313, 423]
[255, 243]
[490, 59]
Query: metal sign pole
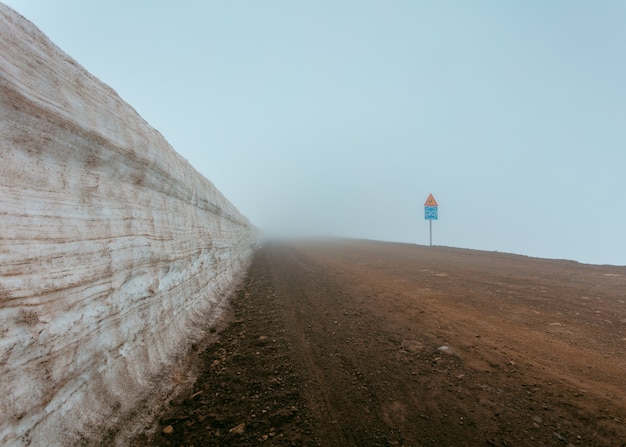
[431, 232]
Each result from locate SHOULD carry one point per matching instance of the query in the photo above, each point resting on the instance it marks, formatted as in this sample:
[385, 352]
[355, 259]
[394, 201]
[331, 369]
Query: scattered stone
[239, 429]
[448, 351]
[168, 430]
[412, 345]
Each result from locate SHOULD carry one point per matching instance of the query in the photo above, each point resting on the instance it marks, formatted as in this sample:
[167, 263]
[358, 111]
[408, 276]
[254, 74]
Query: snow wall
[114, 251]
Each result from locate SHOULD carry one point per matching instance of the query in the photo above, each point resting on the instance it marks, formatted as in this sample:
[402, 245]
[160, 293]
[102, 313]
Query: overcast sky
[339, 117]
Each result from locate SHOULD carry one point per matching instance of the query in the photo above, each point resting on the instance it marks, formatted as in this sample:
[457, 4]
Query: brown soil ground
[360, 343]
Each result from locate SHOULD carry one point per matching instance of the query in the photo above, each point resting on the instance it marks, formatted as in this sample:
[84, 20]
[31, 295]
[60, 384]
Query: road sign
[430, 213]
[430, 201]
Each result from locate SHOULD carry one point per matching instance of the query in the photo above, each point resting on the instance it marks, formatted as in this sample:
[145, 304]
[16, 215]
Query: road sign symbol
[430, 201]
[431, 213]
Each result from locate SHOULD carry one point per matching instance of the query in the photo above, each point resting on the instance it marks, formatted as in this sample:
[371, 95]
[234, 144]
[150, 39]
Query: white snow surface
[114, 251]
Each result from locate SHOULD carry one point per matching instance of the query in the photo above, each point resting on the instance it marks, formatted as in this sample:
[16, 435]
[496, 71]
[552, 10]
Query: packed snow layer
[113, 249]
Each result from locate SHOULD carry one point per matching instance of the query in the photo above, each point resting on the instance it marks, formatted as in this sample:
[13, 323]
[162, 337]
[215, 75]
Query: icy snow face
[113, 249]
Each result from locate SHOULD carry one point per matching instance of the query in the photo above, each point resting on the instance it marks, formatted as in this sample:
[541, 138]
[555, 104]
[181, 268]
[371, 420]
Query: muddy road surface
[360, 343]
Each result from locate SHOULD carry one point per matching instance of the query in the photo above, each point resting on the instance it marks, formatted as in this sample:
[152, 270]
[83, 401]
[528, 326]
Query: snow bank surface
[113, 249]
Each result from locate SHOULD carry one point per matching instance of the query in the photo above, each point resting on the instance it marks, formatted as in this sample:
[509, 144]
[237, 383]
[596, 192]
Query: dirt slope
[358, 343]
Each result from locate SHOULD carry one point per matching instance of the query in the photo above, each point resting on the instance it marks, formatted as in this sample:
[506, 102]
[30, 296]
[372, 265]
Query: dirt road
[358, 343]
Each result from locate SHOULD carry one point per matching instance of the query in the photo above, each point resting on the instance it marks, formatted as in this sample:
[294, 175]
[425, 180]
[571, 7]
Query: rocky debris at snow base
[113, 249]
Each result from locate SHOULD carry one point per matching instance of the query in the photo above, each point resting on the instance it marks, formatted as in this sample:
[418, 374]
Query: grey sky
[340, 117]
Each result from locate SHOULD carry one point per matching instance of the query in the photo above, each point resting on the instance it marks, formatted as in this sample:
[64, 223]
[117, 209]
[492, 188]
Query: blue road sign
[430, 213]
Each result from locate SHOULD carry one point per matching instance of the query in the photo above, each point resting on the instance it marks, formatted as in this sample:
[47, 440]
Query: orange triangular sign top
[430, 201]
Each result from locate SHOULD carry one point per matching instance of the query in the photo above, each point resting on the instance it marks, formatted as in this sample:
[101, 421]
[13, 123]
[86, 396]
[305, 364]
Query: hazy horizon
[340, 118]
